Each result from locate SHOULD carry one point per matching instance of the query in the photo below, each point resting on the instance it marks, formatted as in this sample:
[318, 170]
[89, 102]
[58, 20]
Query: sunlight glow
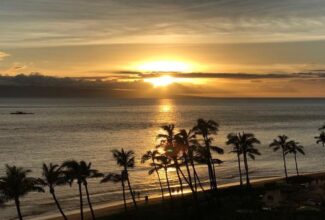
[166, 80]
[165, 66]
[161, 81]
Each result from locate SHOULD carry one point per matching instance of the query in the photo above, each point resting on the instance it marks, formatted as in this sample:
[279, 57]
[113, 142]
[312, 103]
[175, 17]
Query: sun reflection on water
[166, 105]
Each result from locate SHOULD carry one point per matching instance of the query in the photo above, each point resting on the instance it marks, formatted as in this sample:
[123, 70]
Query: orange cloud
[3, 55]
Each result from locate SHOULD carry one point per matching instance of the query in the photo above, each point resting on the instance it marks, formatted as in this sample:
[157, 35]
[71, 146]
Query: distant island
[21, 113]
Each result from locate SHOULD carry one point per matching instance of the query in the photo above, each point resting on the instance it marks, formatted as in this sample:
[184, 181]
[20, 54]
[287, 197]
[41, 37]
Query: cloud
[247, 76]
[152, 21]
[251, 85]
[3, 55]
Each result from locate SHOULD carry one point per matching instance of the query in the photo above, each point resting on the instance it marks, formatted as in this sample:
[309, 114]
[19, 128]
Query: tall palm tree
[187, 142]
[232, 139]
[73, 171]
[88, 172]
[295, 148]
[52, 176]
[125, 159]
[117, 178]
[171, 149]
[164, 163]
[16, 184]
[206, 129]
[247, 143]
[282, 143]
[152, 155]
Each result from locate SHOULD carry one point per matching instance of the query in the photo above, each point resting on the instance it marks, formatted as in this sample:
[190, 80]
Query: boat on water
[21, 113]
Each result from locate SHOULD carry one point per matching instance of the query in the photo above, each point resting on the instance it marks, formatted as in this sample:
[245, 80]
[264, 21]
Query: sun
[161, 81]
[164, 66]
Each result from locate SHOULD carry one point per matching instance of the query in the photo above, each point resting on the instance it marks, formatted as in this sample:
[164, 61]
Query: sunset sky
[213, 47]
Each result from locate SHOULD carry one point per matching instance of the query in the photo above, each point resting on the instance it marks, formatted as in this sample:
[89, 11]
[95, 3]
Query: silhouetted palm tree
[117, 178]
[247, 144]
[152, 155]
[164, 163]
[232, 139]
[88, 172]
[294, 148]
[168, 136]
[206, 129]
[187, 140]
[125, 159]
[171, 149]
[52, 176]
[282, 143]
[321, 138]
[16, 184]
[73, 171]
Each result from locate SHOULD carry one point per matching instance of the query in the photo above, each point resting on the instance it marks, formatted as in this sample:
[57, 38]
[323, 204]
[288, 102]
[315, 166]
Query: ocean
[88, 129]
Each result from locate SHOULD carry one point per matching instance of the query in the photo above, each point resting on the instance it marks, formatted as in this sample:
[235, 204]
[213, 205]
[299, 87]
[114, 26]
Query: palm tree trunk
[296, 165]
[239, 169]
[160, 184]
[180, 180]
[81, 204]
[131, 191]
[212, 185]
[209, 163]
[168, 185]
[285, 165]
[214, 175]
[58, 204]
[194, 175]
[191, 187]
[124, 199]
[188, 172]
[89, 202]
[246, 168]
[196, 178]
[17, 202]
[186, 180]
[199, 181]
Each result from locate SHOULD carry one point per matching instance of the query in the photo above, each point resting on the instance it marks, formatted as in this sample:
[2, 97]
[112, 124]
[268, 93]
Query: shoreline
[106, 210]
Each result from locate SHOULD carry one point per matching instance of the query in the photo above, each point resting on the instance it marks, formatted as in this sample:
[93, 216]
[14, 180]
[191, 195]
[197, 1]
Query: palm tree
[206, 129]
[171, 149]
[152, 155]
[234, 140]
[321, 138]
[282, 143]
[169, 137]
[88, 172]
[247, 142]
[16, 184]
[117, 178]
[187, 142]
[294, 148]
[73, 172]
[125, 159]
[164, 163]
[53, 176]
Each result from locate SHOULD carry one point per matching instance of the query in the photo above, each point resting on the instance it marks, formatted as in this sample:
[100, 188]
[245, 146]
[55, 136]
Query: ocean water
[89, 129]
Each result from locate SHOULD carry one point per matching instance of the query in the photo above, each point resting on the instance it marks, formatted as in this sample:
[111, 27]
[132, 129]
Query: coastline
[106, 210]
